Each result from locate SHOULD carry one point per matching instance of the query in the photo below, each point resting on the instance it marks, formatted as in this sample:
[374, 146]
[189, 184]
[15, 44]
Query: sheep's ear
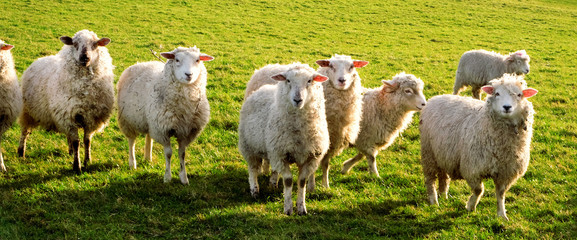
[390, 86]
[320, 78]
[360, 64]
[103, 42]
[323, 63]
[66, 40]
[279, 77]
[167, 55]
[204, 57]
[521, 52]
[529, 92]
[488, 89]
[7, 47]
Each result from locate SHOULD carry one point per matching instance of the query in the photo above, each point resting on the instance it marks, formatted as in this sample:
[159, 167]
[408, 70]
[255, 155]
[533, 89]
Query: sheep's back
[134, 95]
[253, 119]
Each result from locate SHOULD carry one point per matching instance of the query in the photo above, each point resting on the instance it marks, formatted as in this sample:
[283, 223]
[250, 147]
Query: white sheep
[387, 111]
[344, 104]
[70, 90]
[465, 138]
[164, 101]
[478, 67]
[10, 94]
[285, 123]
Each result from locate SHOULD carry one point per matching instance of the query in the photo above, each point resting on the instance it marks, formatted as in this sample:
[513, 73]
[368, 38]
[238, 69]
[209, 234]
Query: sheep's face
[186, 64]
[85, 45]
[519, 62]
[506, 99]
[409, 88]
[342, 70]
[298, 83]
[4, 47]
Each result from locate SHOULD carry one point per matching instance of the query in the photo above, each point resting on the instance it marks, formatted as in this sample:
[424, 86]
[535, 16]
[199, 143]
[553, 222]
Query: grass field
[40, 196]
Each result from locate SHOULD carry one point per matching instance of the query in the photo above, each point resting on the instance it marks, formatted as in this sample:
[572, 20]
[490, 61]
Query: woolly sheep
[285, 123]
[465, 138]
[387, 111]
[70, 90]
[10, 94]
[344, 107]
[164, 101]
[478, 67]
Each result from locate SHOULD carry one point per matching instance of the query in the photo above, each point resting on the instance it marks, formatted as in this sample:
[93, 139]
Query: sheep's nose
[507, 107]
[526, 71]
[342, 80]
[423, 104]
[297, 101]
[188, 75]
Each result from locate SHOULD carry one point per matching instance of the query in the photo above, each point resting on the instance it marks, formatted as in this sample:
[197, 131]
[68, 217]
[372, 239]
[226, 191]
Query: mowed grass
[40, 197]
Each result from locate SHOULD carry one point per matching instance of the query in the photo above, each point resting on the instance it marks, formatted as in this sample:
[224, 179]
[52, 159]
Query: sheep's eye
[519, 95]
[497, 94]
[177, 60]
[331, 66]
[310, 81]
[408, 91]
[288, 81]
[351, 68]
[198, 61]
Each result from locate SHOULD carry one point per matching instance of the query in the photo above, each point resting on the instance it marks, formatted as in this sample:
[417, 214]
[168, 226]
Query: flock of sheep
[291, 114]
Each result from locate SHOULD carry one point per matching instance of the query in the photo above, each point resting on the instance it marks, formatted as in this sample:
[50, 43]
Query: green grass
[40, 197]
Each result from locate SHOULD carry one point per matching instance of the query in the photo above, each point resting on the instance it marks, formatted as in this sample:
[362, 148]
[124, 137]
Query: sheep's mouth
[420, 108]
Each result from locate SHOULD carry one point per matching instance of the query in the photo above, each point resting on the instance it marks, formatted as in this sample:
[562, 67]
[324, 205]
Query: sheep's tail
[154, 53]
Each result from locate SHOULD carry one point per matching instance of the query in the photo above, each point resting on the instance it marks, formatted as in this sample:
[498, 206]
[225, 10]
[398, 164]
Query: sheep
[343, 94]
[466, 138]
[164, 101]
[387, 111]
[478, 67]
[343, 104]
[70, 90]
[285, 123]
[10, 94]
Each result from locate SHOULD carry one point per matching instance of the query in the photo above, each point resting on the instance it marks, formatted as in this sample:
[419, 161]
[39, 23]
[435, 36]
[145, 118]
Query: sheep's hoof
[2, 168]
[76, 169]
[183, 178]
[288, 211]
[167, 179]
[254, 192]
[503, 216]
[20, 152]
[301, 209]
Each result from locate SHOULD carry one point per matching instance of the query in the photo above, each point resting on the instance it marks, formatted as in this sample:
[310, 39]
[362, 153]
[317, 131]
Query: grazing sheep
[164, 101]
[478, 67]
[10, 94]
[285, 123]
[344, 104]
[387, 111]
[70, 90]
[465, 138]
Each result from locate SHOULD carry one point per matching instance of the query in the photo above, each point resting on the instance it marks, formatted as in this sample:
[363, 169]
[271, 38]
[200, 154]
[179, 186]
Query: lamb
[10, 94]
[343, 94]
[164, 101]
[478, 67]
[387, 111]
[70, 90]
[465, 138]
[285, 123]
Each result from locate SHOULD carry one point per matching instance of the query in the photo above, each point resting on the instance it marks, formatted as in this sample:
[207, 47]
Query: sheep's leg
[325, 163]
[458, 87]
[444, 181]
[311, 183]
[22, 145]
[147, 149]
[288, 187]
[348, 164]
[181, 153]
[265, 168]
[304, 173]
[273, 181]
[167, 156]
[254, 165]
[478, 189]
[476, 92]
[500, 189]
[430, 179]
[2, 167]
[70, 149]
[131, 157]
[372, 162]
[87, 144]
[74, 140]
